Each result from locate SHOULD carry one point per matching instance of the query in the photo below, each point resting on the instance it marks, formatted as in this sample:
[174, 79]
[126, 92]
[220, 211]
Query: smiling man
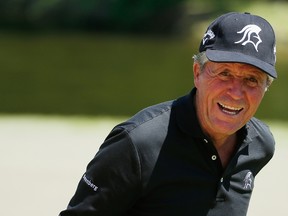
[197, 155]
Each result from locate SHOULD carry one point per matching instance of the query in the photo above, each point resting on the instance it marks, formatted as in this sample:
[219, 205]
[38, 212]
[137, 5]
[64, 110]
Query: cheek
[255, 100]
[207, 97]
[209, 88]
[258, 95]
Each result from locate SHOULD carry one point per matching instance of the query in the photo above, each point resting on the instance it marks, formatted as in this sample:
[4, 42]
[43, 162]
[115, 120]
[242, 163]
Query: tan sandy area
[42, 160]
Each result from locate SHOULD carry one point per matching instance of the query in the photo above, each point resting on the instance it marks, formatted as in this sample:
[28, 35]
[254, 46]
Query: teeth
[230, 108]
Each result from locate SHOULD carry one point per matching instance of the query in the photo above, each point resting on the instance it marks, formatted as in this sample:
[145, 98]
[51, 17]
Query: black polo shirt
[159, 162]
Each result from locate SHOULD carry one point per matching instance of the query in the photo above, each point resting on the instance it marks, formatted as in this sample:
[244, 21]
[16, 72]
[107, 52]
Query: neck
[221, 141]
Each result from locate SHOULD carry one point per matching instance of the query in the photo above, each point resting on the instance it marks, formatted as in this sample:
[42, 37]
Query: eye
[252, 81]
[224, 75]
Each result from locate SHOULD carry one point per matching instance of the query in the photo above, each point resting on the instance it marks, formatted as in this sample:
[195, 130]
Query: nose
[236, 90]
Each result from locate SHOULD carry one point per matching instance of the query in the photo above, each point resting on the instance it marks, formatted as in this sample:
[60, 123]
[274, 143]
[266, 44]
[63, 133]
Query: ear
[196, 72]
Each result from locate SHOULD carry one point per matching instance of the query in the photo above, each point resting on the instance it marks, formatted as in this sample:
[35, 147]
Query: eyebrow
[251, 71]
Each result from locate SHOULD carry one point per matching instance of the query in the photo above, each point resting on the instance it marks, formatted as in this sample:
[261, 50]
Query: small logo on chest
[248, 181]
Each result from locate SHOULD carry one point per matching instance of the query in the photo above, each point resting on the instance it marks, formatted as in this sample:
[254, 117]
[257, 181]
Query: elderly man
[197, 155]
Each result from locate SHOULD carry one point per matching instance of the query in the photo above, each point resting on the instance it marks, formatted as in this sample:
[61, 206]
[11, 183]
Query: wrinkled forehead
[236, 68]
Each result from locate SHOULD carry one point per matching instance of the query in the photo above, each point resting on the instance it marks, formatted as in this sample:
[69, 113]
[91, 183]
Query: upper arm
[111, 182]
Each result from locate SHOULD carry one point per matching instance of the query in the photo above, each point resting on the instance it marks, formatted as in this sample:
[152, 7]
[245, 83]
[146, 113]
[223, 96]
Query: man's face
[228, 95]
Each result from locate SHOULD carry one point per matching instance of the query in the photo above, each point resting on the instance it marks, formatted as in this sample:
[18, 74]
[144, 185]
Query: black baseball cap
[242, 38]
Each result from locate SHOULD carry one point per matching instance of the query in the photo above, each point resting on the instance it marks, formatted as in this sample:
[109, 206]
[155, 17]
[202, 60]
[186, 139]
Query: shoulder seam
[128, 130]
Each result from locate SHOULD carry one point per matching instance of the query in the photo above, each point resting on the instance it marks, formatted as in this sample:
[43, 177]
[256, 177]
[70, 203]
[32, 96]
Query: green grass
[91, 74]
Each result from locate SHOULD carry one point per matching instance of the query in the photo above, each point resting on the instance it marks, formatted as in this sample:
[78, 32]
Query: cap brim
[225, 56]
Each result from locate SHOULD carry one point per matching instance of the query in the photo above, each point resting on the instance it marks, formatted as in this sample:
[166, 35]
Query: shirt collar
[186, 115]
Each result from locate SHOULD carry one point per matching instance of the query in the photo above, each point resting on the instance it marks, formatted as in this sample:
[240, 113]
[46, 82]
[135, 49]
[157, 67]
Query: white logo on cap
[250, 32]
[208, 36]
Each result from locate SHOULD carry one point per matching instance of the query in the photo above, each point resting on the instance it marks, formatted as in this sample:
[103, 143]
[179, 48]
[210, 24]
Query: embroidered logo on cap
[208, 36]
[248, 181]
[250, 35]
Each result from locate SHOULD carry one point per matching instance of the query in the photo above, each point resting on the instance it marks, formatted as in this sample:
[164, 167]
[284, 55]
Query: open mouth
[230, 110]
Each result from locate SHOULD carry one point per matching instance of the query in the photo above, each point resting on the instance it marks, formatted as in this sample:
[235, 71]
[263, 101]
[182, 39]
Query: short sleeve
[111, 183]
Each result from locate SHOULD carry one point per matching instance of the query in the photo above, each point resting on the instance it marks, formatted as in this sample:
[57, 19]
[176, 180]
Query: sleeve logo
[89, 182]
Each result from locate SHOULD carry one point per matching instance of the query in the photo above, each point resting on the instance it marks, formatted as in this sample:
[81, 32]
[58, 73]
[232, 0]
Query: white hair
[202, 59]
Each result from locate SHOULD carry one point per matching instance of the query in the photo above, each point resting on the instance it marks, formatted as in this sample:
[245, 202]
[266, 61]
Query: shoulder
[143, 136]
[263, 142]
[261, 129]
[147, 129]
[149, 119]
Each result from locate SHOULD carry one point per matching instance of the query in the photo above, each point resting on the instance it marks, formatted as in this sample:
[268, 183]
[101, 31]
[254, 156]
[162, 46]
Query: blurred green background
[115, 57]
